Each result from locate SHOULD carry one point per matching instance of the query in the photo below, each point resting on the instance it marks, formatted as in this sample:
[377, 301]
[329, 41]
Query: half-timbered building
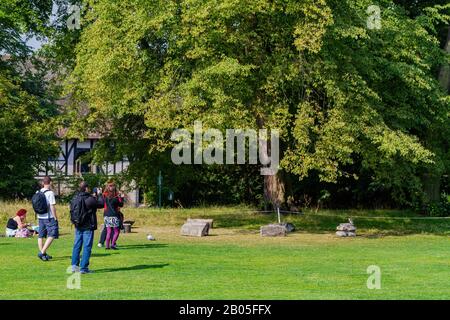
[71, 162]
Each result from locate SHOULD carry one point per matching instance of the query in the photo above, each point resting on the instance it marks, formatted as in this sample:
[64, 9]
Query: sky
[37, 44]
[34, 43]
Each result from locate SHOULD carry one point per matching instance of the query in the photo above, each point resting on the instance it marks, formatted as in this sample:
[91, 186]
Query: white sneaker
[75, 269]
[99, 245]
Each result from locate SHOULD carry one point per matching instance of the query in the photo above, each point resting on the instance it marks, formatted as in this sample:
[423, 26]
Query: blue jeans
[85, 239]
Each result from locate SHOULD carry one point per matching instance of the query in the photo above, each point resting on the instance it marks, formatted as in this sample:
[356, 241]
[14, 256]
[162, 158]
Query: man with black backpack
[44, 206]
[83, 215]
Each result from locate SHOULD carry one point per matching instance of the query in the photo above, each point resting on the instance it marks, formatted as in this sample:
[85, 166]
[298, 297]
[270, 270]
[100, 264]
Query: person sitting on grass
[17, 226]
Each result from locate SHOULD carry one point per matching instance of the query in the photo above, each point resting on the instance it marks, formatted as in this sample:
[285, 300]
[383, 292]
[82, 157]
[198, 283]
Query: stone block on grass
[195, 229]
[346, 229]
[273, 230]
[208, 221]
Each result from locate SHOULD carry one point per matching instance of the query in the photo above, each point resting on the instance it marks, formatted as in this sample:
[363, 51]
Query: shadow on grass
[133, 268]
[4, 244]
[142, 246]
[63, 234]
[98, 255]
[93, 255]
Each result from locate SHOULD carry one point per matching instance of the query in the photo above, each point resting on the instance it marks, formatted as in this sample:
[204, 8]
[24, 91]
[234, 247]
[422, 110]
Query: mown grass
[369, 222]
[235, 262]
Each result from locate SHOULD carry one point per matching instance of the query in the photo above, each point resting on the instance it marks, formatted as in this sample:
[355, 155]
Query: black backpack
[78, 210]
[39, 202]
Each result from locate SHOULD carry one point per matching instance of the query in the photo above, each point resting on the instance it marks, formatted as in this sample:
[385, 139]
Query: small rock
[289, 227]
[346, 229]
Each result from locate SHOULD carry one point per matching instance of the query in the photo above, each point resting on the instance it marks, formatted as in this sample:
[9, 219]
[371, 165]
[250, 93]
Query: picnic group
[83, 215]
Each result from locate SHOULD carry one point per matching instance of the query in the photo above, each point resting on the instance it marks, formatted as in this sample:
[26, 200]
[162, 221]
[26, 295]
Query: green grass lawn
[236, 263]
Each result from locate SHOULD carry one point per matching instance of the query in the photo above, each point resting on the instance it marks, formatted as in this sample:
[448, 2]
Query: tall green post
[160, 188]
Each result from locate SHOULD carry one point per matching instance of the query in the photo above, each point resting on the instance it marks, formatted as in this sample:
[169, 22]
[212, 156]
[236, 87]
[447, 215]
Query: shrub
[439, 208]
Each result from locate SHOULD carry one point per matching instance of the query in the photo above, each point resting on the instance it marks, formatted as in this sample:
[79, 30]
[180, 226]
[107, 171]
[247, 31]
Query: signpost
[159, 189]
[279, 215]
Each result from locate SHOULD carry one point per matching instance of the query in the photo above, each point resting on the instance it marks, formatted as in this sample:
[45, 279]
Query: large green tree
[348, 99]
[430, 13]
[27, 137]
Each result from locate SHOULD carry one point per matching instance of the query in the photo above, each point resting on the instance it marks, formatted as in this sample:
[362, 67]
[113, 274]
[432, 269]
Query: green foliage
[438, 208]
[93, 180]
[27, 126]
[194, 184]
[349, 101]
[22, 18]
[27, 139]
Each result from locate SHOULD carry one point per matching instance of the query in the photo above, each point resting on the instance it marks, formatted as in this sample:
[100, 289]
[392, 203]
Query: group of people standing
[110, 201]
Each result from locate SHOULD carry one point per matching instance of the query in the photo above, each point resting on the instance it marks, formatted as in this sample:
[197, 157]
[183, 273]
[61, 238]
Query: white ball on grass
[150, 237]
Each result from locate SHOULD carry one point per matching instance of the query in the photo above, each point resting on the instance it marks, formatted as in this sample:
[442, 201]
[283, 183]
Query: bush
[94, 181]
[438, 209]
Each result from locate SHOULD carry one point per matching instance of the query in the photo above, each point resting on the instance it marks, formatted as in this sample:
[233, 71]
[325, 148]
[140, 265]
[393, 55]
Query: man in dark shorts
[48, 222]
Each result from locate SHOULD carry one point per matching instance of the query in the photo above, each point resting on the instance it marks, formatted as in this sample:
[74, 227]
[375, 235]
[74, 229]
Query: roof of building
[62, 133]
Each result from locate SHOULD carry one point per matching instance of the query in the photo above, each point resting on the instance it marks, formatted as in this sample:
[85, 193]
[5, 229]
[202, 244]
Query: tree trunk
[444, 72]
[432, 187]
[274, 185]
[432, 179]
[274, 190]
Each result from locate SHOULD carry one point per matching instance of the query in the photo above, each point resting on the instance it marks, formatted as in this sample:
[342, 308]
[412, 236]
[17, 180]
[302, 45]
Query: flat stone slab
[345, 234]
[346, 227]
[195, 229]
[273, 230]
[208, 221]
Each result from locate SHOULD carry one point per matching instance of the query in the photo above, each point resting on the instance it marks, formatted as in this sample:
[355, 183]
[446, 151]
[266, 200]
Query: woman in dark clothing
[112, 215]
[102, 240]
[18, 224]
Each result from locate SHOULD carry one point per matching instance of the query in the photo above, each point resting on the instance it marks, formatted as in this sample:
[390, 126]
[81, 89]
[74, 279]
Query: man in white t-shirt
[48, 222]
